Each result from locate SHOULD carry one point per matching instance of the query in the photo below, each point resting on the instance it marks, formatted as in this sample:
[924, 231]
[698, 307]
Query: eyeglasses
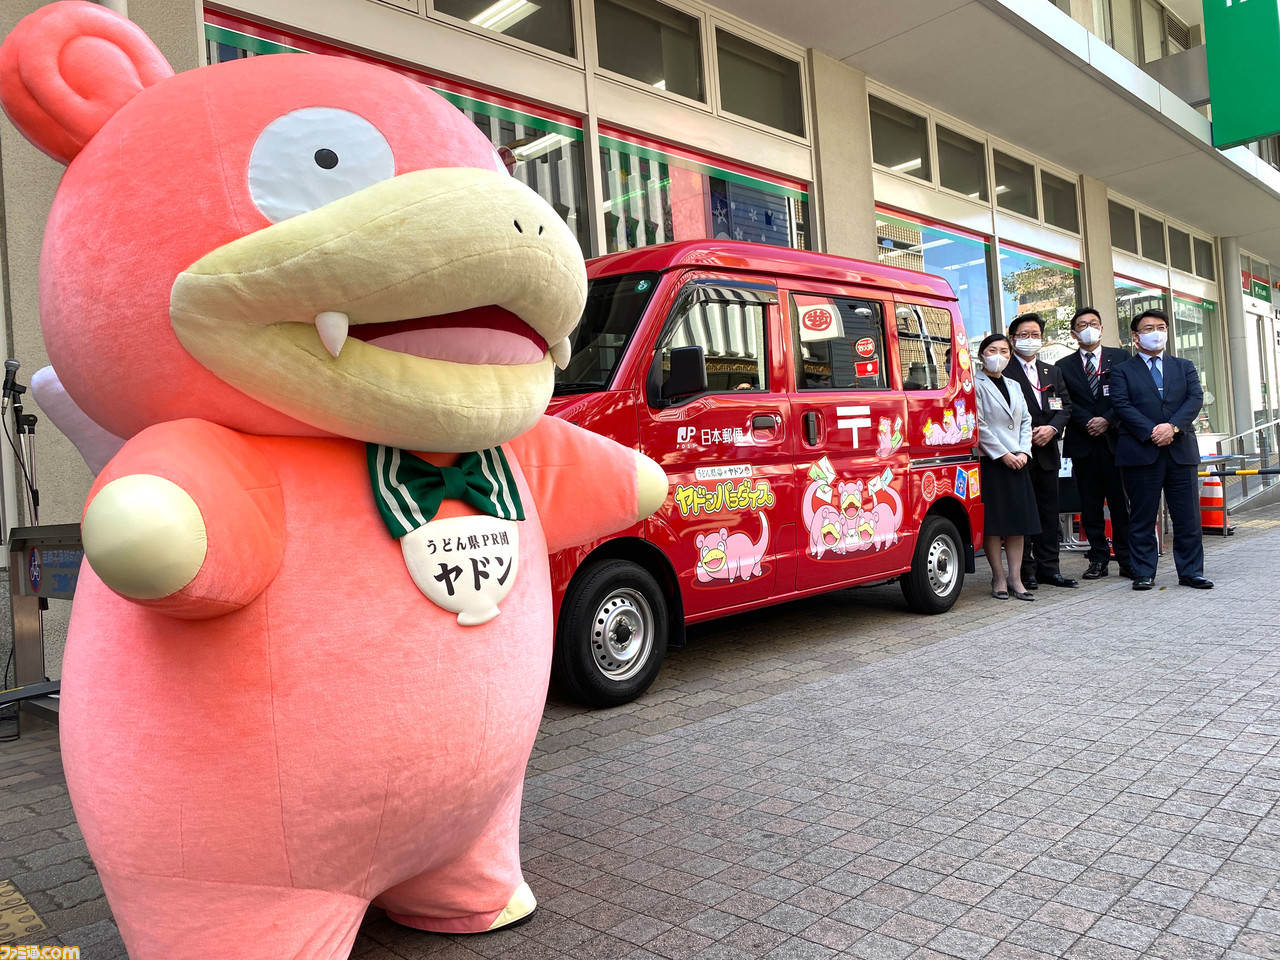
[1096, 324]
[1030, 335]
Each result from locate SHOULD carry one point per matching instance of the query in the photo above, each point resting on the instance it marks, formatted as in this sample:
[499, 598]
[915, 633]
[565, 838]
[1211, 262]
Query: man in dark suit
[1157, 398]
[1091, 443]
[1050, 407]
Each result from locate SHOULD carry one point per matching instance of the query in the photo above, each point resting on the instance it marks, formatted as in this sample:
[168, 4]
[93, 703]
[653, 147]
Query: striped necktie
[1091, 368]
[1156, 375]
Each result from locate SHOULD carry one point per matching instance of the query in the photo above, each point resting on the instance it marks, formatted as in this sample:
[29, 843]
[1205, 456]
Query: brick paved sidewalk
[1094, 776]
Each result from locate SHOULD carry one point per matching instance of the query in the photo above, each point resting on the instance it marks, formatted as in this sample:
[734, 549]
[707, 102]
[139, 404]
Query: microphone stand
[25, 427]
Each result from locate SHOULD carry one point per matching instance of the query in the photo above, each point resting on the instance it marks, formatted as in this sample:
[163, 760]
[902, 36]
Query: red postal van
[815, 416]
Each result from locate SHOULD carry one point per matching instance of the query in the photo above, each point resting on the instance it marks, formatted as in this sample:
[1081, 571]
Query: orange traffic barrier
[1213, 508]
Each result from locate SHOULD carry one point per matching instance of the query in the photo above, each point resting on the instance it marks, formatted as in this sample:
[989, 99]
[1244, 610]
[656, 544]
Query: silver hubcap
[622, 634]
[942, 566]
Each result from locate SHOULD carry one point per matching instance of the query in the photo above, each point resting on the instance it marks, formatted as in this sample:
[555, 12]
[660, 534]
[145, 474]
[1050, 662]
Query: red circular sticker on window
[929, 486]
[866, 347]
[817, 319]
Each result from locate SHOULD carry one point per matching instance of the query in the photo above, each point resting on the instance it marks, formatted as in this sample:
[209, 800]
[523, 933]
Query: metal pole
[1237, 338]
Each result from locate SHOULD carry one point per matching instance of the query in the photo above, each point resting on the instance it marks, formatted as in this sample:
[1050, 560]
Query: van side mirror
[688, 373]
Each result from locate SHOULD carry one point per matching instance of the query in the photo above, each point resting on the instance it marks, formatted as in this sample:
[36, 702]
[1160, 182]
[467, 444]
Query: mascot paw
[651, 486]
[144, 537]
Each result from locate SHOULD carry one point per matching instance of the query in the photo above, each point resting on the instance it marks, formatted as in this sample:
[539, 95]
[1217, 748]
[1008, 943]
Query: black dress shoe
[1198, 583]
[1127, 573]
[1030, 583]
[1096, 571]
[1144, 583]
[1058, 580]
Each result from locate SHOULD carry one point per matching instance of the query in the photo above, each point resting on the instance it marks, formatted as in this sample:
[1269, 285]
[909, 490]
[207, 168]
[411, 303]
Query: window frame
[768, 296]
[716, 24]
[427, 10]
[709, 77]
[929, 148]
[793, 322]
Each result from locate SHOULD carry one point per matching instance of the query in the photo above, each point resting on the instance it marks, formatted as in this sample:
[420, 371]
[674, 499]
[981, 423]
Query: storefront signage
[1255, 287]
[1239, 36]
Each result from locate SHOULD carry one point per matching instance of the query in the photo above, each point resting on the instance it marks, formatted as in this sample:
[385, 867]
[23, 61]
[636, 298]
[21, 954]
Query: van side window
[839, 343]
[924, 346]
[730, 328]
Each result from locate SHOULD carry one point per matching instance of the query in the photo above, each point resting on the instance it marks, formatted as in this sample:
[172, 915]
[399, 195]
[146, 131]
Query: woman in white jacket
[1004, 442]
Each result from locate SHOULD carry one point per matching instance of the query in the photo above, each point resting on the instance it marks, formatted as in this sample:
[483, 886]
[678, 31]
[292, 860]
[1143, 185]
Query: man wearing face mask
[1157, 398]
[1091, 443]
[1050, 406]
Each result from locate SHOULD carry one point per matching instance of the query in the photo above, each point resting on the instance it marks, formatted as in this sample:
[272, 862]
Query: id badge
[1106, 389]
[1055, 404]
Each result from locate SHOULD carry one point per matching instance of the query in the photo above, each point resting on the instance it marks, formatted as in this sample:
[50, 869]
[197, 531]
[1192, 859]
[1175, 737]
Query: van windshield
[614, 308]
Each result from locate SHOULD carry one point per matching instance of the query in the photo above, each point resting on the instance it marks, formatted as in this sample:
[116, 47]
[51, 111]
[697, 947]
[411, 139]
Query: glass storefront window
[1152, 231]
[1124, 235]
[899, 139]
[1255, 278]
[1037, 283]
[1180, 250]
[962, 163]
[654, 196]
[1061, 208]
[544, 154]
[1195, 337]
[1204, 258]
[1132, 298]
[1015, 184]
[547, 23]
[759, 84]
[962, 259]
[653, 43]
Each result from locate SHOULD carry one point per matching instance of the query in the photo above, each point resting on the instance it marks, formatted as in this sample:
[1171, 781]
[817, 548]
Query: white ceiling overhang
[1030, 75]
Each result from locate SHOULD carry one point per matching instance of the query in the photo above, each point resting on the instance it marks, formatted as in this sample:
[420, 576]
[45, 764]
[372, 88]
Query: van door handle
[762, 421]
[811, 428]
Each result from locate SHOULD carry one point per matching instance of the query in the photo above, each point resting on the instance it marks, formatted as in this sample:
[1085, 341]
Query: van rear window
[924, 346]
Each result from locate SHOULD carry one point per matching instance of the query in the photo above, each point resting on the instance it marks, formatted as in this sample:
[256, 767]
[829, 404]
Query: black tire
[937, 569]
[613, 634]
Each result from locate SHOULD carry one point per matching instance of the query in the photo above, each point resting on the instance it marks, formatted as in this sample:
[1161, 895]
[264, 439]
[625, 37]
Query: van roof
[740, 255]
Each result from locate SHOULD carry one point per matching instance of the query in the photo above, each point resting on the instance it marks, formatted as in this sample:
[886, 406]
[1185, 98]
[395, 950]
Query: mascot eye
[313, 156]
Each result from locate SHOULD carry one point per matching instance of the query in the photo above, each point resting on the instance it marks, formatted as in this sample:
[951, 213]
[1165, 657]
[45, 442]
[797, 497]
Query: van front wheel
[613, 635]
[937, 569]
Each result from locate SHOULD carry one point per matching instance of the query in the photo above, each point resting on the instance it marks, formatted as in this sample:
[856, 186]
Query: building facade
[1037, 155]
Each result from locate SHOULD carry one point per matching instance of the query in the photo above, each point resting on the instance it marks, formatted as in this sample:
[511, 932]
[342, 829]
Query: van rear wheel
[613, 635]
[937, 569]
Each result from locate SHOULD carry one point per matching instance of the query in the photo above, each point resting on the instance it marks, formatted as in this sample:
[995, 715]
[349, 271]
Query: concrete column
[1238, 377]
[1099, 275]
[843, 198]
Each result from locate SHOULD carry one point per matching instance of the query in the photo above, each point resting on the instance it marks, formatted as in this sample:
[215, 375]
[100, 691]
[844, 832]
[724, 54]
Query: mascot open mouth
[423, 312]
[830, 535]
[713, 560]
[482, 335]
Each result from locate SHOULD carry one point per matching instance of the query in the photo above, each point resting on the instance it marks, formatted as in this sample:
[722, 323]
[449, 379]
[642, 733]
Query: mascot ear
[67, 68]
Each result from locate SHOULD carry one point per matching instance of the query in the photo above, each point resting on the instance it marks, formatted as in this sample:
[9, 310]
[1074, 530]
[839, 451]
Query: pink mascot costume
[307, 666]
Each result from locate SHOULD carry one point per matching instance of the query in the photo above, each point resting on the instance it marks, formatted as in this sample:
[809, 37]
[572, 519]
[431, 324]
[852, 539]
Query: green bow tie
[409, 491]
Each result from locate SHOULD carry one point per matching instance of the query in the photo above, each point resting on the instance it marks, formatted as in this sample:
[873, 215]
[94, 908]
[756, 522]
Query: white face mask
[994, 362]
[1028, 348]
[1153, 342]
[1089, 336]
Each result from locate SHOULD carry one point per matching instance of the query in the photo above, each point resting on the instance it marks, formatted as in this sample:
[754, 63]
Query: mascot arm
[187, 519]
[586, 486]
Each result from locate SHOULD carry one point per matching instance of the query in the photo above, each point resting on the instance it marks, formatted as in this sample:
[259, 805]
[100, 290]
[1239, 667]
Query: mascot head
[287, 244]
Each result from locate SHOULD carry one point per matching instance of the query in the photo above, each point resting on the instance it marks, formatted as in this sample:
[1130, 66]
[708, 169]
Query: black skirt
[1010, 500]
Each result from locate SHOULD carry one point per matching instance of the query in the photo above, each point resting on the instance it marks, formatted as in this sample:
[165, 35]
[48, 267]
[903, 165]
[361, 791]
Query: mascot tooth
[328, 355]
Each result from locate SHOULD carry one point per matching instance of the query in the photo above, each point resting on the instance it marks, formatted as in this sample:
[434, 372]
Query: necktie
[1091, 368]
[1032, 376]
[409, 491]
[1156, 375]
